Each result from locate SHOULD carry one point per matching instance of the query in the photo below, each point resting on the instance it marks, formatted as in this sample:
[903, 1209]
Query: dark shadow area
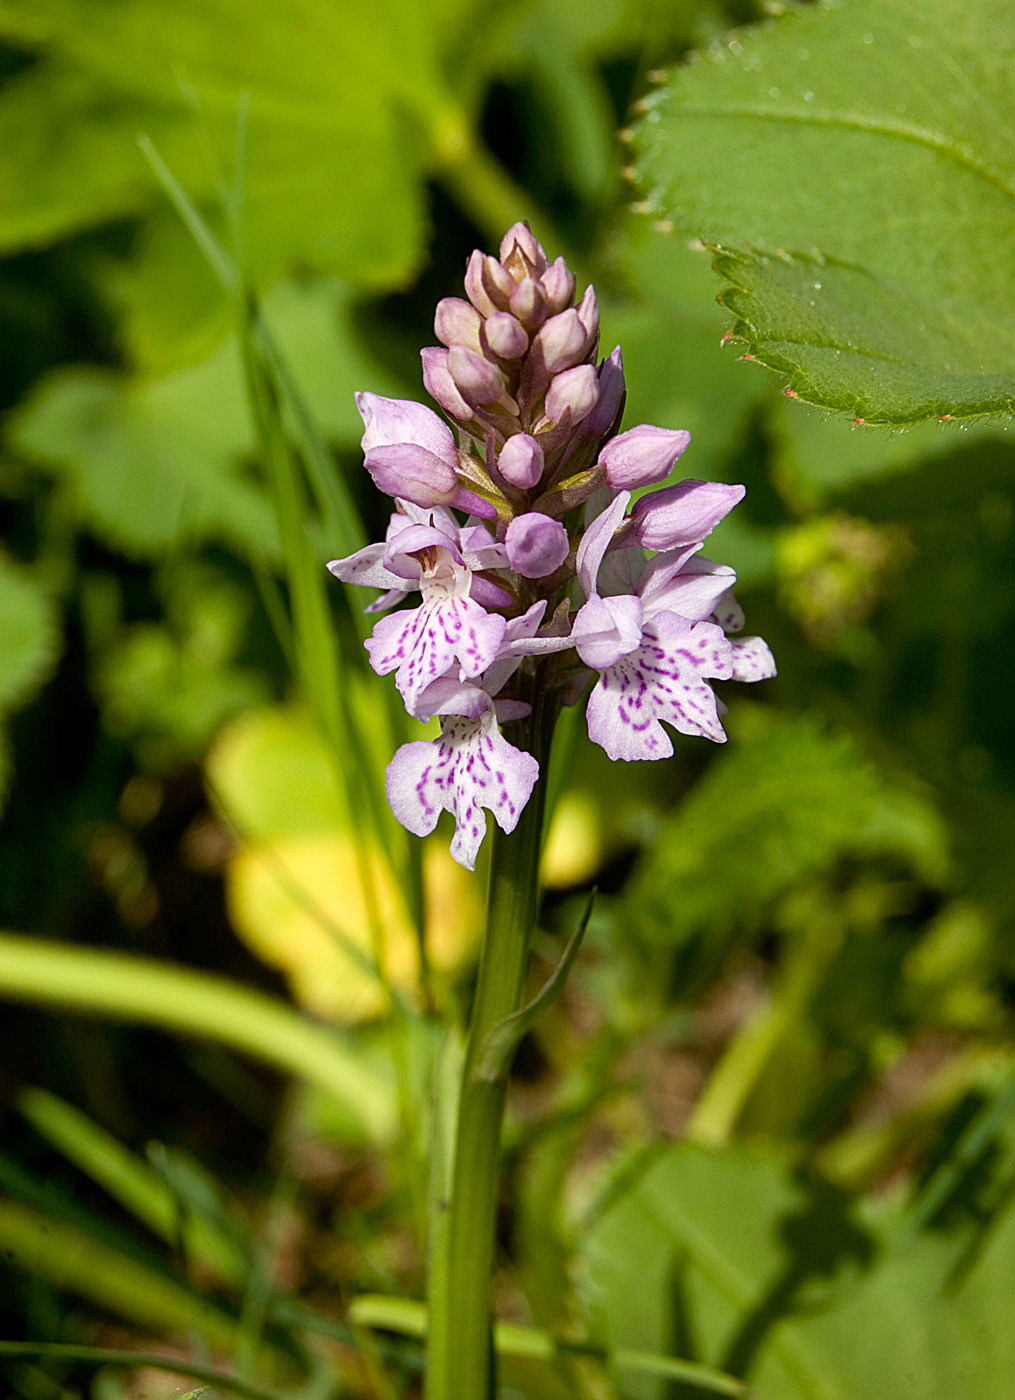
[821, 1240]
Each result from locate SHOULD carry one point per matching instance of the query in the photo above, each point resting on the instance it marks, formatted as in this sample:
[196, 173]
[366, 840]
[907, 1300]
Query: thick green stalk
[459, 1356]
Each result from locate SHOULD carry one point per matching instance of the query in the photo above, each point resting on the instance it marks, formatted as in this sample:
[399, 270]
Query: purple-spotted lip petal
[752, 659]
[471, 767]
[422, 645]
[665, 679]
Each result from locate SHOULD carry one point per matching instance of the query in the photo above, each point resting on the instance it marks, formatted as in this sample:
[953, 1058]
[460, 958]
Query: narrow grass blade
[110, 1356]
[129, 1180]
[73, 1260]
[104, 983]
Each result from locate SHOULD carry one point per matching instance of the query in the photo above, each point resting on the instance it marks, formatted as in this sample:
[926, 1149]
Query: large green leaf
[854, 164]
[334, 91]
[154, 459]
[67, 154]
[136, 486]
[770, 1273]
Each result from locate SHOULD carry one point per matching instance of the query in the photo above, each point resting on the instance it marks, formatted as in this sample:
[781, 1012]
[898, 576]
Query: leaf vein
[856, 121]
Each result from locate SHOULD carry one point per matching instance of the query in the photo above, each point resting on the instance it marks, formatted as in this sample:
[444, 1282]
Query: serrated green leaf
[669, 329]
[874, 143]
[846, 339]
[29, 635]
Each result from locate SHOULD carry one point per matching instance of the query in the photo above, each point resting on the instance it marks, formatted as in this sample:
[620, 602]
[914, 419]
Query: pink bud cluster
[518, 375]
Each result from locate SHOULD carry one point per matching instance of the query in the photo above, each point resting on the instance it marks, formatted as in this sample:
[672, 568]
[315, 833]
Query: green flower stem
[459, 1365]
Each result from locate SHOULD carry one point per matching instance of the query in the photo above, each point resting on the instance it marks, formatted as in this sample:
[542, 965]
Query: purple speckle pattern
[752, 660]
[421, 645]
[666, 678]
[469, 768]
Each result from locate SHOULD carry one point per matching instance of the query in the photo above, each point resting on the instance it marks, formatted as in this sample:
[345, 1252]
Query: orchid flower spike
[514, 599]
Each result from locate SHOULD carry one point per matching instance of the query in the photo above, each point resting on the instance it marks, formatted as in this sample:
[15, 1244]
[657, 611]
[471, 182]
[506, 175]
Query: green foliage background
[767, 1131]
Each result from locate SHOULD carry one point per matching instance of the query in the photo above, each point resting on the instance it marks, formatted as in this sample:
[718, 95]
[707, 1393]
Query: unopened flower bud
[521, 461]
[572, 393]
[457, 323]
[388, 421]
[505, 336]
[498, 282]
[409, 471]
[558, 283]
[528, 303]
[642, 456]
[683, 514]
[561, 341]
[588, 314]
[480, 382]
[612, 392]
[536, 545]
[518, 244]
[475, 289]
[440, 386]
